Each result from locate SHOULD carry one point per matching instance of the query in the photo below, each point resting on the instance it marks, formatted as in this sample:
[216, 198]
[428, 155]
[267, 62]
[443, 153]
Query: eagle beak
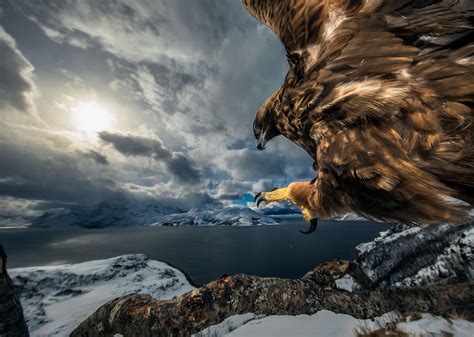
[261, 142]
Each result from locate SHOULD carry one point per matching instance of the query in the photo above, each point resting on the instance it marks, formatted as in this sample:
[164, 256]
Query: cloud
[97, 157]
[263, 185]
[206, 62]
[192, 72]
[17, 88]
[39, 166]
[232, 189]
[248, 164]
[179, 166]
[36, 172]
[136, 30]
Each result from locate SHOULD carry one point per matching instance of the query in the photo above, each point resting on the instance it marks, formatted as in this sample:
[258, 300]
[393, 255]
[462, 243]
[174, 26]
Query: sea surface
[203, 253]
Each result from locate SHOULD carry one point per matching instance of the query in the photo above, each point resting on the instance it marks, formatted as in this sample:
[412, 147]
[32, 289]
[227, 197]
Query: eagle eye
[257, 127]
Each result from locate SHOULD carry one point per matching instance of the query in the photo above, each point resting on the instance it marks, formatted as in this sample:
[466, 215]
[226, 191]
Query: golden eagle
[380, 94]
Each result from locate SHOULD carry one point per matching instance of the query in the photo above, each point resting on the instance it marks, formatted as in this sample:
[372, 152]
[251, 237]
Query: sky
[126, 101]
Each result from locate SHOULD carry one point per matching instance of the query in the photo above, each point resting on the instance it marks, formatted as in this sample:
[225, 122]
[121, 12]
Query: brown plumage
[380, 93]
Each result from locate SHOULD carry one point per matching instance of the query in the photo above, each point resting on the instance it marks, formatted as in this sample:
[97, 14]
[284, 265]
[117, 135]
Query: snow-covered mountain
[350, 217]
[56, 299]
[108, 214]
[229, 216]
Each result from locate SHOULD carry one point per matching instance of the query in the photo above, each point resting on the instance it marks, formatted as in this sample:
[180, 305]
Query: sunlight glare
[91, 117]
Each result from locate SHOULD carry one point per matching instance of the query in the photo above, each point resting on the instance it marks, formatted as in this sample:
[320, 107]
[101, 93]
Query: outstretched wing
[396, 65]
[297, 23]
[327, 26]
[357, 58]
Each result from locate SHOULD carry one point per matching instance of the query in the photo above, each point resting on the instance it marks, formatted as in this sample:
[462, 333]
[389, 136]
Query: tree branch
[141, 315]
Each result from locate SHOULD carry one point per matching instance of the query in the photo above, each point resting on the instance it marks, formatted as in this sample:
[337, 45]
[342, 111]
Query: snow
[451, 258]
[324, 323]
[229, 216]
[435, 253]
[109, 214]
[431, 325]
[228, 325]
[327, 323]
[350, 217]
[347, 283]
[57, 298]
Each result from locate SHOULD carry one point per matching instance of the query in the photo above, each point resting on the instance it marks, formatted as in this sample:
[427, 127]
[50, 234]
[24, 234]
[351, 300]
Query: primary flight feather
[380, 93]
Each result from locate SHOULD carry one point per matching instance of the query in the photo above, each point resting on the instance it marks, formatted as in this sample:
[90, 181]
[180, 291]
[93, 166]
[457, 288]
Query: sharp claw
[257, 197]
[313, 225]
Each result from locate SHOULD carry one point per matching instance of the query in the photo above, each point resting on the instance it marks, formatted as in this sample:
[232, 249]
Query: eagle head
[264, 125]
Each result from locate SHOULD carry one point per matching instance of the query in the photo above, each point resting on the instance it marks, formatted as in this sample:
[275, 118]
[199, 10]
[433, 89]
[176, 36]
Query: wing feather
[296, 22]
[396, 73]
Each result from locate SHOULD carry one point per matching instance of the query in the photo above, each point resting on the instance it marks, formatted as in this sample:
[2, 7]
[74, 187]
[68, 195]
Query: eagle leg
[277, 195]
[297, 193]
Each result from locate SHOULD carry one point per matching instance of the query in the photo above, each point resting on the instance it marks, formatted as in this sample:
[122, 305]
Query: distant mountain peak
[107, 214]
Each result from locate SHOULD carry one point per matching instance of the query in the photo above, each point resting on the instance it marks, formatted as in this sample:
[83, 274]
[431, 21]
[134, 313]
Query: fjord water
[203, 253]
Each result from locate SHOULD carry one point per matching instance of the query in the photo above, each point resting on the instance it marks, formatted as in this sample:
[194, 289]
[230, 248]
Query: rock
[12, 321]
[420, 256]
[233, 295]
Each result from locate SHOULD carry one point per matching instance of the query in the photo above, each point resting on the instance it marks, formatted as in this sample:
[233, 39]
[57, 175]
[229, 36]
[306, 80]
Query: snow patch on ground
[431, 325]
[227, 326]
[347, 283]
[327, 323]
[56, 299]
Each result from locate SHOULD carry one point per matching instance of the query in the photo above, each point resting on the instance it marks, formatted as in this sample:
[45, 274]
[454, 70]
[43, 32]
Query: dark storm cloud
[250, 164]
[232, 189]
[97, 157]
[36, 172]
[179, 166]
[191, 71]
[35, 169]
[16, 84]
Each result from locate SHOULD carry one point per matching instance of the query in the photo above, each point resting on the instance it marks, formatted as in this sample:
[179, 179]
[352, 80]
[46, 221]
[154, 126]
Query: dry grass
[447, 334]
[381, 332]
[467, 315]
[390, 329]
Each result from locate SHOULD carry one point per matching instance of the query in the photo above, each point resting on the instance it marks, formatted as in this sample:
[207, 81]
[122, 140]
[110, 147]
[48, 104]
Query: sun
[91, 117]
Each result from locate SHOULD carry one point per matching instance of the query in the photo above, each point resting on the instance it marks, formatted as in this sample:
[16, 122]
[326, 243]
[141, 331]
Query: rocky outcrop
[420, 256]
[323, 288]
[12, 321]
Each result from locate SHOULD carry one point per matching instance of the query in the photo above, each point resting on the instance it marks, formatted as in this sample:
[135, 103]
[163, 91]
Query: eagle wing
[402, 71]
[297, 23]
